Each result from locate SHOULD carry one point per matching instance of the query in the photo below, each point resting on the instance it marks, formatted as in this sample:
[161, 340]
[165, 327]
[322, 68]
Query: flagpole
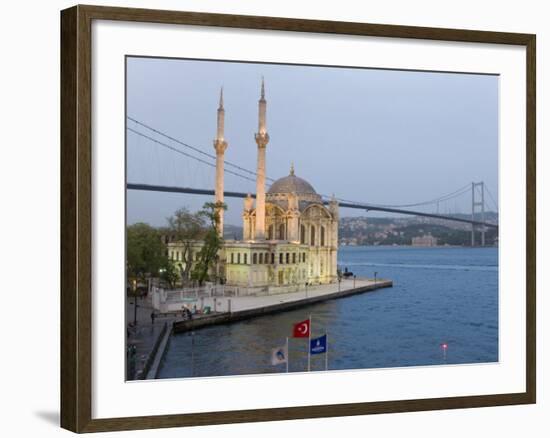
[326, 352]
[309, 347]
[287, 354]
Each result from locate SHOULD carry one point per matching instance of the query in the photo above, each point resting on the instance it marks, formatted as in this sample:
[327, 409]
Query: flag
[279, 355]
[318, 345]
[301, 329]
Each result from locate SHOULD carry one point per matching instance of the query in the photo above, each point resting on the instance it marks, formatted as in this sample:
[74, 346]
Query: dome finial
[292, 169]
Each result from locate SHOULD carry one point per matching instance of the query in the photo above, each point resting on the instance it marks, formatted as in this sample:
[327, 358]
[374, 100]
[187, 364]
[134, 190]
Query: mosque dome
[291, 184]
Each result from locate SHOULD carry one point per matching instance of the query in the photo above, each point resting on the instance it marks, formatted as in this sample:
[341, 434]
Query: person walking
[153, 317]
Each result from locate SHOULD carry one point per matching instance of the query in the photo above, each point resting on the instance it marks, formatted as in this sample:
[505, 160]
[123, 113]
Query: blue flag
[318, 345]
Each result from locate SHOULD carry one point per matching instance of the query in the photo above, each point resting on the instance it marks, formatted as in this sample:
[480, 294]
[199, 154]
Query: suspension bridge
[480, 194]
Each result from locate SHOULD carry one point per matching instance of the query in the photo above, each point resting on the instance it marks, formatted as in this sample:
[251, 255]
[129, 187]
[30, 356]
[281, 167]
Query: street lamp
[161, 274]
[134, 287]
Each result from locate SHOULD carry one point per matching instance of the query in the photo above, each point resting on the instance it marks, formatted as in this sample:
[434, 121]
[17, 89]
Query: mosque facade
[290, 235]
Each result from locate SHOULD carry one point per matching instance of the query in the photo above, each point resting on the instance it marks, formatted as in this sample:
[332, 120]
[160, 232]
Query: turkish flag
[301, 329]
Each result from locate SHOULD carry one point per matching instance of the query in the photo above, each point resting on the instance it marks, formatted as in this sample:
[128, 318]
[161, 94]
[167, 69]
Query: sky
[387, 137]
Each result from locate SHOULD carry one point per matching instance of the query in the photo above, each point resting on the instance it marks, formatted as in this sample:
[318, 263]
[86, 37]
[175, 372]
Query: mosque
[290, 237]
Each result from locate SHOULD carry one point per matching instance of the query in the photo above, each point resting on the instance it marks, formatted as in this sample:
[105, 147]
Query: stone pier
[233, 309]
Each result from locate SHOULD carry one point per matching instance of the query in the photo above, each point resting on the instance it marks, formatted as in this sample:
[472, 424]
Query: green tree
[186, 227]
[208, 255]
[169, 274]
[145, 252]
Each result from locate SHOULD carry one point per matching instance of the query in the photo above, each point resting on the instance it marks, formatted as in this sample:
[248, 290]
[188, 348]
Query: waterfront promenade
[232, 309]
[144, 336]
[239, 303]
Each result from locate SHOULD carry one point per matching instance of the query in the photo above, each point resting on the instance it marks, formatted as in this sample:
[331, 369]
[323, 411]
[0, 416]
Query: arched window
[312, 237]
[246, 259]
[270, 232]
[322, 236]
[238, 258]
[232, 258]
[281, 258]
[302, 234]
[254, 258]
[282, 232]
[272, 258]
[266, 258]
[261, 258]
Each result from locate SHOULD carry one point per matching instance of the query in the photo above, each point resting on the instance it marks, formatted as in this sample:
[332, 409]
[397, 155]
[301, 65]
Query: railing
[167, 301]
[204, 291]
[143, 373]
[176, 300]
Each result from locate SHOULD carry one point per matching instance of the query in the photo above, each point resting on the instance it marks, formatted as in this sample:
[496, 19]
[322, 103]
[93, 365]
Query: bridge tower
[478, 202]
[220, 145]
[262, 138]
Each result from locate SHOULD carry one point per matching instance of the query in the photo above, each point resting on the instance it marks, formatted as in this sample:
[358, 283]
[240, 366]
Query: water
[440, 295]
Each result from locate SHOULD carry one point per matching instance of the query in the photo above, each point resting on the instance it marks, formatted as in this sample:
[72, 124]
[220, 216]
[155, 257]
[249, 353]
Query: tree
[145, 252]
[208, 255]
[186, 227]
[169, 274]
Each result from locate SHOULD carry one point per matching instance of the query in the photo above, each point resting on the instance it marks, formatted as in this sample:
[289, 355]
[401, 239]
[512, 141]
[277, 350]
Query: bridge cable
[186, 154]
[198, 150]
[446, 197]
[491, 196]
[485, 203]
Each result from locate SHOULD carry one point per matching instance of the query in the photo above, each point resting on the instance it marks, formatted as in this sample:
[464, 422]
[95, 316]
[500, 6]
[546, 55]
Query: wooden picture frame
[76, 217]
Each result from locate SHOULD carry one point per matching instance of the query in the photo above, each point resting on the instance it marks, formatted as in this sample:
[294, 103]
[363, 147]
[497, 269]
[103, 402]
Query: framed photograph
[270, 218]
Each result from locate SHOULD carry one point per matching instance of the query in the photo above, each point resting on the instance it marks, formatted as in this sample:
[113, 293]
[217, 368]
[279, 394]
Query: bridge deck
[360, 206]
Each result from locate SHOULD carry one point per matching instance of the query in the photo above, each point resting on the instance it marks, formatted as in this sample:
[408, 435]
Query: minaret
[220, 145]
[293, 214]
[262, 138]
